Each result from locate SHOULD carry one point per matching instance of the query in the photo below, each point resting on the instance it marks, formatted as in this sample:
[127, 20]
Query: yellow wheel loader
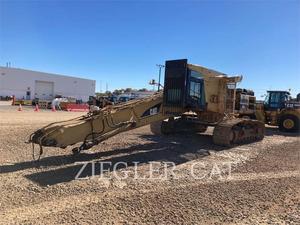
[192, 99]
[280, 109]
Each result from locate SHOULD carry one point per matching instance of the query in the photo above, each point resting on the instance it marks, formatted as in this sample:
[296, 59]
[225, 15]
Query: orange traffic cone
[20, 108]
[36, 108]
[53, 108]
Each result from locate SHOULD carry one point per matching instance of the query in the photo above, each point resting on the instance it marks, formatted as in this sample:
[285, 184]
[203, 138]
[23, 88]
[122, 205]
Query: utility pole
[159, 74]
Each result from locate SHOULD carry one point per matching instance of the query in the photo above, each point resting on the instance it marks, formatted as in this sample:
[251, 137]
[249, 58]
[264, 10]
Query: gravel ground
[250, 184]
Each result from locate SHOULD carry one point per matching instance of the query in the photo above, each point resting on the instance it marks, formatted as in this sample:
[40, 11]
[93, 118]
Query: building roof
[46, 73]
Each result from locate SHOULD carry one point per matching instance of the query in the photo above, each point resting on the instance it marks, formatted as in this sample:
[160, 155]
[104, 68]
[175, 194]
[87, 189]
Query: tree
[98, 94]
[108, 93]
[143, 89]
[128, 90]
[118, 91]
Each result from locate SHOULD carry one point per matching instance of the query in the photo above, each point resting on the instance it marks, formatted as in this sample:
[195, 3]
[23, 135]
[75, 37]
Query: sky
[119, 43]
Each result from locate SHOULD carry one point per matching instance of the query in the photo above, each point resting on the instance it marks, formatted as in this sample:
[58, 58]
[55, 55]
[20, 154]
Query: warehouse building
[27, 84]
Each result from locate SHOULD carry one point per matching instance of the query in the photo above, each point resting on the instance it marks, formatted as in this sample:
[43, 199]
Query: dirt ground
[256, 183]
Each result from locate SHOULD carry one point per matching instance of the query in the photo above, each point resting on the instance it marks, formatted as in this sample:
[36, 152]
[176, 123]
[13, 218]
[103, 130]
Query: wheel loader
[193, 98]
[278, 109]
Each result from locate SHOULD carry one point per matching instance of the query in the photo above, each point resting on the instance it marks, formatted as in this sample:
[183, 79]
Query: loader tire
[155, 127]
[289, 123]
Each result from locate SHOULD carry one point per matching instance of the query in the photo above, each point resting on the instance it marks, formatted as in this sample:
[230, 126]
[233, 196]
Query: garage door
[44, 90]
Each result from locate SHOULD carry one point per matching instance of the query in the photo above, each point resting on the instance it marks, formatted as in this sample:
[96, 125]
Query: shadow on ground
[176, 148]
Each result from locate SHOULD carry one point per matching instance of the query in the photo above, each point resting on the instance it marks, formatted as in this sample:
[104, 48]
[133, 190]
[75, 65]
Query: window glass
[284, 97]
[195, 90]
[196, 74]
[275, 97]
[267, 98]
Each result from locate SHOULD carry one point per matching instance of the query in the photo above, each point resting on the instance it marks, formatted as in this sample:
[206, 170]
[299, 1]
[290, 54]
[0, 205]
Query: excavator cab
[183, 88]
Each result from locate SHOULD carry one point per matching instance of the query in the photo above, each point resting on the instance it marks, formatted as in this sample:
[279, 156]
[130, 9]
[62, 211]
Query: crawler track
[238, 131]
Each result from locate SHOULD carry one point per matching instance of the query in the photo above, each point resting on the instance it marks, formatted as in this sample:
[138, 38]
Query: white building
[27, 84]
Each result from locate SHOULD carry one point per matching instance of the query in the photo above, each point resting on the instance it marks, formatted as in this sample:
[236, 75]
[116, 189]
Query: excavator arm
[93, 128]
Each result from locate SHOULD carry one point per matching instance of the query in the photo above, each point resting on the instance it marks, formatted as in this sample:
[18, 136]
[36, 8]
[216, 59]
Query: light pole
[159, 74]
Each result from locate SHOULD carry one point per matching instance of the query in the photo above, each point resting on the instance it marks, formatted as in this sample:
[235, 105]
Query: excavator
[193, 98]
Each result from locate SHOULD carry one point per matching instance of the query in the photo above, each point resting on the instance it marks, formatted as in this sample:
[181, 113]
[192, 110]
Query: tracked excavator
[192, 99]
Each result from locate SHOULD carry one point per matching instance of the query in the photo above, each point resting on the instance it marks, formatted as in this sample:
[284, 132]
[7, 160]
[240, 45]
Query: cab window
[195, 90]
[196, 74]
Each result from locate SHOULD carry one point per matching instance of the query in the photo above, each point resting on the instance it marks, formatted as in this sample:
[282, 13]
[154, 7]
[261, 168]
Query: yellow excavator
[192, 99]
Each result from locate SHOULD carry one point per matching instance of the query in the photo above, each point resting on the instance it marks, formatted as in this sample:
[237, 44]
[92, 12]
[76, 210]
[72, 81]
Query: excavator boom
[99, 125]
